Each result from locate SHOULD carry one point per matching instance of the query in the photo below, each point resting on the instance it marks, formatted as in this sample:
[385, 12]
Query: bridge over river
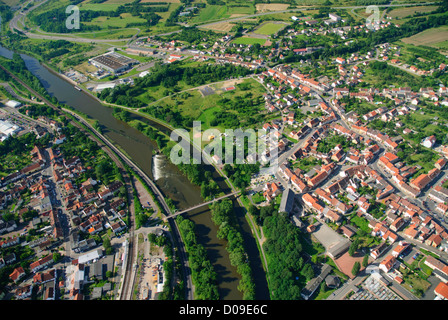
[202, 204]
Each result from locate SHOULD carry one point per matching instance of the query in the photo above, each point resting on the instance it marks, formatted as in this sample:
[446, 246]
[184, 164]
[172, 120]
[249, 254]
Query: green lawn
[269, 28]
[247, 40]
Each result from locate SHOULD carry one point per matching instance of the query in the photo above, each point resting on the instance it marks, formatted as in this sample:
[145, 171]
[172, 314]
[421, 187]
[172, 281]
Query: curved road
[13, 24]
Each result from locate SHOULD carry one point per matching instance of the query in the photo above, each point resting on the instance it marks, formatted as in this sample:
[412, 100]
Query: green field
[218, 12]
[193, 104]
[434, 37]
[269, 28]
[247, 40]
[211, 12]
[119, 22]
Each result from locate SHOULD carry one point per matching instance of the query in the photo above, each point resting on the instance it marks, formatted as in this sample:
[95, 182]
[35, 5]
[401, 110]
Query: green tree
[353, 247]
[365, 260]
[356, 268]
[108, 246]
[308, 271]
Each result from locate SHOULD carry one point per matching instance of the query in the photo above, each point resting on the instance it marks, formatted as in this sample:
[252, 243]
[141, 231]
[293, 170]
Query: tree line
[203, 274]
[288, 271]
[223, 216]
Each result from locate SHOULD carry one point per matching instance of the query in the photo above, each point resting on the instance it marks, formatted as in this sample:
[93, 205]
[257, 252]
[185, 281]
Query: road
[14, 23]
[20, 18]
[176, 234]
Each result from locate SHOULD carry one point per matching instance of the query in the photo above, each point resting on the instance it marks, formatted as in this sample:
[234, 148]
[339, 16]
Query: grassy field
[401, 13]
[193, 104]
[110, 34]
[149, 1]
[100, 6]
[211, 12]
[435, 37]
[269, 28]
[119, 22]
[218, 12]
[247, 40]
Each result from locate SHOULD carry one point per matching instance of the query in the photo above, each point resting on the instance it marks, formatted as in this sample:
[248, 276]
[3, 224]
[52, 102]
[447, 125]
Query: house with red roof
[17, 274]
[41, 263]
[387, 264]
[441, 291]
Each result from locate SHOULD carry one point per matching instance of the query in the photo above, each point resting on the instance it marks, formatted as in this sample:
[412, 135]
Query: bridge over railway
[202, 204]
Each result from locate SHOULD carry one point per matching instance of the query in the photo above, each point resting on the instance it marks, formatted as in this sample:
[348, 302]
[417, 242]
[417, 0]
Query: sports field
[269, 28]
[247, 40]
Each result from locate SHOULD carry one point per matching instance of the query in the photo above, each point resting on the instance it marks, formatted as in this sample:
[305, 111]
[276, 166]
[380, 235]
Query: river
[166, 176]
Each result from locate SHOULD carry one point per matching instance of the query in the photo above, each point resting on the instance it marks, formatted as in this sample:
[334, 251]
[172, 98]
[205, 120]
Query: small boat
[78, 88]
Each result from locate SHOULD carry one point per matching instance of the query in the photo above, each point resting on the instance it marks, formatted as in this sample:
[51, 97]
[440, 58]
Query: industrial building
[113, 62]
[7, 129]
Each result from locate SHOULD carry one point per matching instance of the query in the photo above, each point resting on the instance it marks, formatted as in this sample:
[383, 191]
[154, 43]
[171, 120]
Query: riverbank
[243, 219]
[173, 184]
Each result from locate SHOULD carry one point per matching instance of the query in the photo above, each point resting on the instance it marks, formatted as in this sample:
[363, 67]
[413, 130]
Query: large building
[13, 104]
[287, 203]
[7, 129]
[113, 62]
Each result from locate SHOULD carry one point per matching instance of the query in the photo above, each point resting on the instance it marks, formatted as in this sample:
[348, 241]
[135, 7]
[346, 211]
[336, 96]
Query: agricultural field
[119, 22]
[211, 12]
[401, 13]
[218, 12]
[221, 27]
[149, 1]
[266, 7]
[105, 6]
[435, 37]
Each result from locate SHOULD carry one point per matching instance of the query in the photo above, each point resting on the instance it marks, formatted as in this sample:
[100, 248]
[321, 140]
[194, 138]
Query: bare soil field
[265, 7]
[345, 263]
[221, 27]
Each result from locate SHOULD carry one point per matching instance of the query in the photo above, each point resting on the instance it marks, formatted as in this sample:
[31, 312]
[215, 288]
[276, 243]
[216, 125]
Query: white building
[334, 17]
[90, 256]
[7, 129]
[13, 104]
[429, 142]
